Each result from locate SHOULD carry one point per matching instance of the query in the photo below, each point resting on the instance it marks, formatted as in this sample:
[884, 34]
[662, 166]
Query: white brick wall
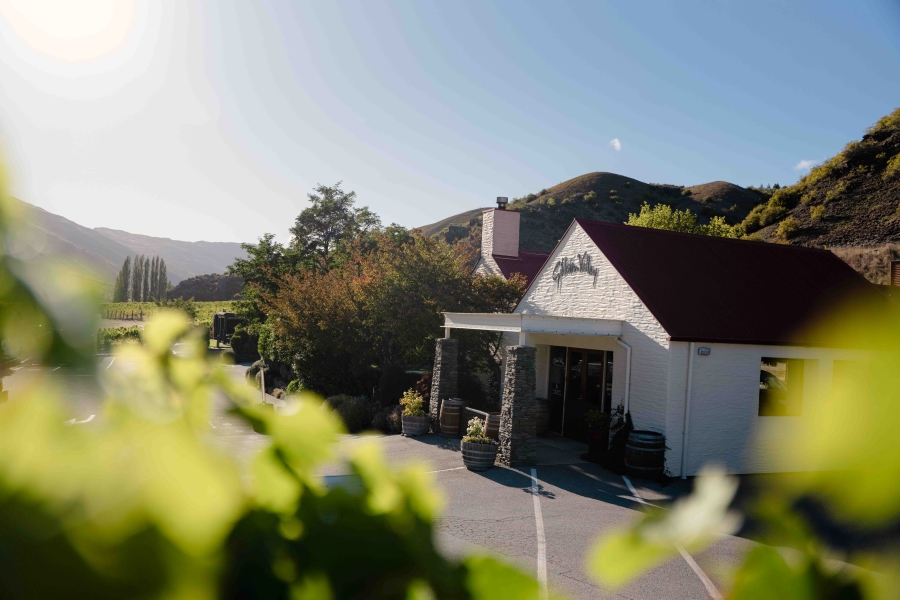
[609, 298]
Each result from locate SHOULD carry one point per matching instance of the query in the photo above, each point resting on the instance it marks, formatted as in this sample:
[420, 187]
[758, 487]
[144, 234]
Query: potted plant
[597, 423]
[413, 419]
[478, 450]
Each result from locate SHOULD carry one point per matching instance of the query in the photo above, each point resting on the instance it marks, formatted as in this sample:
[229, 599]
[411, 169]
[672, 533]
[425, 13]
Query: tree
[137, 278]
[381, 306]
[266, 263]
[162, 281]
[122, 287]
[662, 216]
[154, 278]
[331, 219]
[145, 286]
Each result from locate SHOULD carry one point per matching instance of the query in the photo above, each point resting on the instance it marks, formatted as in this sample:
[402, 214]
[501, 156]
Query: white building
[699, 338]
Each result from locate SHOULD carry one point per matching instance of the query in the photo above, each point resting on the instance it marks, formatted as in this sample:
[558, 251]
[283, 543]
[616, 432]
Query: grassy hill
[605, 196]
[852, 199]
[103, 251]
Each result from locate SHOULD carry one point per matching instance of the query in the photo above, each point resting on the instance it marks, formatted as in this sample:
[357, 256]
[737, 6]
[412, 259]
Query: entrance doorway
[580, 380]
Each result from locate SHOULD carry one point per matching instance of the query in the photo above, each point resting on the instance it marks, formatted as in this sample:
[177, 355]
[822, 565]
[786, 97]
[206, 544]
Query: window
[780, 387]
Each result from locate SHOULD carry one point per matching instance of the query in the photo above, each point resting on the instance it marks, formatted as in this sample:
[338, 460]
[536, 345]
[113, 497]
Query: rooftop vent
[502, 201]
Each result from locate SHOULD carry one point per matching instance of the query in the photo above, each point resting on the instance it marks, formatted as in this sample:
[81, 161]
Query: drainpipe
[627, 372]
[685, 430]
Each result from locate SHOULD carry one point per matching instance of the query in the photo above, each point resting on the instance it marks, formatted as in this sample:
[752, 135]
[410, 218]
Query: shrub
[596, 420]
[356, 413]
[893, 166]
[228, 357]
[891, 121]
[686, 192]
[787, 228]
[530, 197]
[817, 213]
[835, 191]
[117, 335]
[387, 420]
[590, 196]
[335, 401]
[613, 193]
[551, 202]
[567, 201]
[542, 192]
[475, 433]
[807, 198]
[295, 387]
[412, 403]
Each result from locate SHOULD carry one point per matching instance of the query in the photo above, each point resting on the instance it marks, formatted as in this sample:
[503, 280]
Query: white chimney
[500, 231]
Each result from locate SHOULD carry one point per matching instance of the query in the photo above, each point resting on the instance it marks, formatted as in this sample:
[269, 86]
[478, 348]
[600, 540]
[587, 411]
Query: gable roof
[528, 263]
[709, 289]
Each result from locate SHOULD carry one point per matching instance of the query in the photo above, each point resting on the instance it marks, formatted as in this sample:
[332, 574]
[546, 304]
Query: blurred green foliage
[140, 506]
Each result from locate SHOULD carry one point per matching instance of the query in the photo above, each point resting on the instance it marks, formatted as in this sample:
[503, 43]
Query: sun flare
[70, 31]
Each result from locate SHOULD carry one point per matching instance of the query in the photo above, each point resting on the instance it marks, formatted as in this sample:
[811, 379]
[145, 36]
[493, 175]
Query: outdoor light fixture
[502, 201]
[703, 351]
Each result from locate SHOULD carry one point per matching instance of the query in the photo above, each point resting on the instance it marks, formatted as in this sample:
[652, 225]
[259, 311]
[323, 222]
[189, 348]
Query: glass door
[588, 385]
[557, 387]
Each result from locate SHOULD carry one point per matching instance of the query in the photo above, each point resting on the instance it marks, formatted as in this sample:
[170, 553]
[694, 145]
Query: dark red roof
[528, 263]
[703, 288]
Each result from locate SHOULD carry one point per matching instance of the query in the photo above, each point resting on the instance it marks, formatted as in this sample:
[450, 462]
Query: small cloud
[615, 144]
[805, 165]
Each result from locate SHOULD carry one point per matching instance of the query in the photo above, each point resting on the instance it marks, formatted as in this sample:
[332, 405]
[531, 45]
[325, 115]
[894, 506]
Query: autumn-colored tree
[382, 306]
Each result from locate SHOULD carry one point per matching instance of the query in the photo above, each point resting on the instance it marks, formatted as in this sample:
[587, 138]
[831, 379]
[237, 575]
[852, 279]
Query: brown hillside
[853, 199]
[606, 197]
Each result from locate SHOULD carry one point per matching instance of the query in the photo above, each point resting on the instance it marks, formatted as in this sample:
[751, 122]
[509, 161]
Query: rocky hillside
[208, 288]
[607, 197]
[852, 199]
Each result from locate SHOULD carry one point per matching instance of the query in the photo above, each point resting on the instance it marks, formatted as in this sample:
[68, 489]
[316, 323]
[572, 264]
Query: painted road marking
[445, 470]
[111, 362]
[541, 538]
[707, 582]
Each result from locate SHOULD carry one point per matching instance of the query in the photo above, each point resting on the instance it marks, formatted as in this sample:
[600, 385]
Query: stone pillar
[444, 378]
[518, 408]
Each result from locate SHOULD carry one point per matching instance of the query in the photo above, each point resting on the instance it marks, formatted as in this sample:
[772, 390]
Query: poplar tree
[154, 279]
[137, 277]
[145, 289]
[163, 281]
[123, 282]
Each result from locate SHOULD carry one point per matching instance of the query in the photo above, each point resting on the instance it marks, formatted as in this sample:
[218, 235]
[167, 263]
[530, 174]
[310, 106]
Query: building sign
[568, 266]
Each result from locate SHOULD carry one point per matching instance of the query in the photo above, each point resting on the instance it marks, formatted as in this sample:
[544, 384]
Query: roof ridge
[581, 221]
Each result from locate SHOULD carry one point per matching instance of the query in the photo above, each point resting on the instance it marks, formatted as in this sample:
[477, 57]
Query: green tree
[145, 283]
[162, 281]
[122, 286]
[332, 219]
[266, 263]
[137, 277]
[663, 216]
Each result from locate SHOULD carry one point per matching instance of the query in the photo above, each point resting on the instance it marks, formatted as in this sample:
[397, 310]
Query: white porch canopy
[523, 323]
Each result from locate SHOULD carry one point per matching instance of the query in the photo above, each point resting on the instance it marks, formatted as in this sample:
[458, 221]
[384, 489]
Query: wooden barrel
[478, 457]
[451, 410]
[492, 427]
[645, 453]
[543, 416]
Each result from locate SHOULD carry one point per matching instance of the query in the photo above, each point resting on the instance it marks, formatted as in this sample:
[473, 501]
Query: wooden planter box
[478, 457]
[413, 426]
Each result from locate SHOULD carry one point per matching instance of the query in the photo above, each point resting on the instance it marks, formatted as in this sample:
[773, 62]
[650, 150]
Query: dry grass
[873, 262]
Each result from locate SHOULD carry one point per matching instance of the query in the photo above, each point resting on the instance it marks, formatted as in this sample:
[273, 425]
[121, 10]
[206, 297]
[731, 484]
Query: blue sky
[228, 113]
